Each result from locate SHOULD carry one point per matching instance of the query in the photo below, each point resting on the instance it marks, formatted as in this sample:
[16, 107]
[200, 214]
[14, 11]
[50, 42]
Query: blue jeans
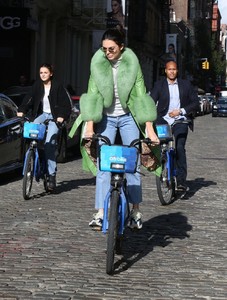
[50, 145]
[128, 131]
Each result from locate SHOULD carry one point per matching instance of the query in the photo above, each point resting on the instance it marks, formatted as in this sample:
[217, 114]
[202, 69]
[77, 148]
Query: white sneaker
[97, 220]
[135, 221]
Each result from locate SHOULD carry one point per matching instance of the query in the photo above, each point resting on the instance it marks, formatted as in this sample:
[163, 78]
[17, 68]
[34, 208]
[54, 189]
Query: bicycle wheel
[112, 231]
[165, 187]
[28, 174]
[45, 182]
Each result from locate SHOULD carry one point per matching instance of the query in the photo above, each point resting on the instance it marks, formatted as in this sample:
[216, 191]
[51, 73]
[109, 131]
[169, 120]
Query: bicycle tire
[45, 183]
[112, 231]
[165, 187]
[28, 174]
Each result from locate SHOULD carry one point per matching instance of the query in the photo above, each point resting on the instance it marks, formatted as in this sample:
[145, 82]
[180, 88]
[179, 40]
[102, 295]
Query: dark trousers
[180, 132]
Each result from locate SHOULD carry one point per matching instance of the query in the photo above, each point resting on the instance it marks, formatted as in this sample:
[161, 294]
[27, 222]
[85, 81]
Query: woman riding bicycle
[48, 100]
[117, 100]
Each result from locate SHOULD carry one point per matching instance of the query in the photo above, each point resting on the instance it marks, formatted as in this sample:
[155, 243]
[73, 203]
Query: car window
[222, 101]
[8, 110]
[70, 100]
[1, 115]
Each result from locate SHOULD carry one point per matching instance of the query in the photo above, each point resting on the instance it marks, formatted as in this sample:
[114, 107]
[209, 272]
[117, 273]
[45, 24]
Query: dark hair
[118, 1]
[114, 34]
[171, 45]
[48, 66]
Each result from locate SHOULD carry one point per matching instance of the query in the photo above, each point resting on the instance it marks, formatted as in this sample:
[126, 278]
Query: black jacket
[59, 100]
[188, 97]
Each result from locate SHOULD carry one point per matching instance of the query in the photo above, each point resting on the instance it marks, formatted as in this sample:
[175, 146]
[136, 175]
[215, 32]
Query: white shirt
[174, 101]
[46, 102]
[116, 109]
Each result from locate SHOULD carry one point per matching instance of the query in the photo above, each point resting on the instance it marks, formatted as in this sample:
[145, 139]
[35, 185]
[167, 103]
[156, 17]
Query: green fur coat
[130, 86]
[100, 94]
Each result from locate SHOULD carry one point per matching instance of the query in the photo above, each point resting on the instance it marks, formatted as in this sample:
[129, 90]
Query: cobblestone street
[48, 251]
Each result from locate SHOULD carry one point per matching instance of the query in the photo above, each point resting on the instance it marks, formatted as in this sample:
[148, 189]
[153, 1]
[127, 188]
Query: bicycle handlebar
[99, 137]
[106, 140]
[182, 121]
[139, 141]
[46, 122]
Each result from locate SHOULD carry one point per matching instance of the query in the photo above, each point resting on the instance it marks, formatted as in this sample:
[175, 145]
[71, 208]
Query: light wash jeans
[128, 131]
[50, 145]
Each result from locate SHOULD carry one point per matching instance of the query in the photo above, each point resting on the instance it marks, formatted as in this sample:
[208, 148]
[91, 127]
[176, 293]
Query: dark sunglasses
[110, 49]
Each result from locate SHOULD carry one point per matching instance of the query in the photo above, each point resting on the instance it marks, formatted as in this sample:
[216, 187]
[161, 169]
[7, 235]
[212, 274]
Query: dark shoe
[182, 187]
[52, 183]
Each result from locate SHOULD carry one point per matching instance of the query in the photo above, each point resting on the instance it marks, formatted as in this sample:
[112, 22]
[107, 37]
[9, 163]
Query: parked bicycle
[118, 160]
[167, 183]
[35, 165]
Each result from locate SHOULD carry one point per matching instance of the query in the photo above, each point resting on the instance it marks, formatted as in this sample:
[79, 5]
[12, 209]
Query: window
[8, 111]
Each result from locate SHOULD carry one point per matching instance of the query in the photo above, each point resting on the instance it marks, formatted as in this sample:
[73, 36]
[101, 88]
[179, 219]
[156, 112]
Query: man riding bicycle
[176, 99]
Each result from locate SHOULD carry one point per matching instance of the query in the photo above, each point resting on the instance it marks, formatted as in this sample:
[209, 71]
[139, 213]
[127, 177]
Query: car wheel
[62, 149]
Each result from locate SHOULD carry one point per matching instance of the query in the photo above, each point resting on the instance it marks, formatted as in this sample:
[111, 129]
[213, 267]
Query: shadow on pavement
[10, 177]
[156, 232]
[196, 185]
[65, 186]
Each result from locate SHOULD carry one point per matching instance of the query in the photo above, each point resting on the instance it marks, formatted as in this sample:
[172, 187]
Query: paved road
[48, 251]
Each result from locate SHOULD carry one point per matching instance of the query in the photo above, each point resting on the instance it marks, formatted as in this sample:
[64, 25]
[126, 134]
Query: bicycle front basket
[164, 132]
[34, 131]
[118, 159]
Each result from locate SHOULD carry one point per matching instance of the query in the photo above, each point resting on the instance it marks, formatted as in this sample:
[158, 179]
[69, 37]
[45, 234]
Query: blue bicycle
[35, 165]
[167, 183]
[118, 160]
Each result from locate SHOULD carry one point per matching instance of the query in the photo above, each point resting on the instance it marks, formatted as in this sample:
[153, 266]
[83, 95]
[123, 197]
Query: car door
[10, 134]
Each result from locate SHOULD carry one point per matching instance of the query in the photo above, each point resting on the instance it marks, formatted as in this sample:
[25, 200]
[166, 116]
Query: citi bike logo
[8, 22]
[117, 158]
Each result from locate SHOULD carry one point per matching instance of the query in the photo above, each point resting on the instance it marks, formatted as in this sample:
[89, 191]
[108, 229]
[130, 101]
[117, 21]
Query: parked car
[76, 101]
[208, 106]
[219, 108]
[17, 93]
[211, 99]
[12, 145]
[205, 107]
[201, 106]
[223, 93]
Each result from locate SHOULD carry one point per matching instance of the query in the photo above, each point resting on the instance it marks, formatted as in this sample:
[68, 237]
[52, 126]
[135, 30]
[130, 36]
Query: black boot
[52, 182]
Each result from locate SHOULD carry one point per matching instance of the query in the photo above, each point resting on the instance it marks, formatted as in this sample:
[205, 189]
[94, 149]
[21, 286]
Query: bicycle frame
[123, 211]
[36, 162]
[170, 161]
